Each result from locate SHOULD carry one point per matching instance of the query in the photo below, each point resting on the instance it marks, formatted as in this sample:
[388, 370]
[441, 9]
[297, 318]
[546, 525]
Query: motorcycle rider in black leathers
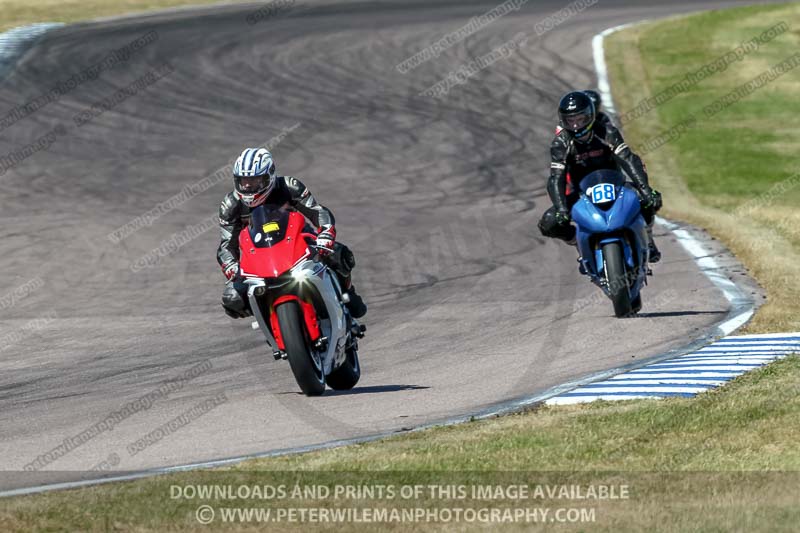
[583, 144]
[600, 116]
[255, 184]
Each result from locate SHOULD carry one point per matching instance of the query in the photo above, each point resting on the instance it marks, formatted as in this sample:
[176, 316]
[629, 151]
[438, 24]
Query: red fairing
[271, 262]
[309, 316]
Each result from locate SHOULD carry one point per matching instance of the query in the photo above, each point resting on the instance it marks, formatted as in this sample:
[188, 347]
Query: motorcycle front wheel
[306, 365]
[617, 278]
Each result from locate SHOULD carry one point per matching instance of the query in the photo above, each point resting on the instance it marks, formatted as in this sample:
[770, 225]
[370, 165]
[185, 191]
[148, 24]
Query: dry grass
[728, 160]
[21, 12]
[724, 461]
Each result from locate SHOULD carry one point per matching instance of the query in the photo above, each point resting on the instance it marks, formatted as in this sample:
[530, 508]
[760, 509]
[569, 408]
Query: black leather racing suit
[234, 216]
[602, 118]
[605, 150]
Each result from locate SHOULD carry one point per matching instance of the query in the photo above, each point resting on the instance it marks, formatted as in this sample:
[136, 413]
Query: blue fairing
[621, 221]
[621, 215]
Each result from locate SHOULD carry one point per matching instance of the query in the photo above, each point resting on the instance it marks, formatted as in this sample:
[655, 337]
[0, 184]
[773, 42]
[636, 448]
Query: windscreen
[614, 177]
[268, 226]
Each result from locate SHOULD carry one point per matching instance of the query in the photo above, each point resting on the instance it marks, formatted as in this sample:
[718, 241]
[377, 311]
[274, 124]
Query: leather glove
[231, 271]
[652, 199]
[563, 217]
[325, 240]
[657, 202]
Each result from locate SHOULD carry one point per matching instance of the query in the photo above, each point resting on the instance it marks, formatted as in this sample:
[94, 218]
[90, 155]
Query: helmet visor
[578, 121]
[249, 184]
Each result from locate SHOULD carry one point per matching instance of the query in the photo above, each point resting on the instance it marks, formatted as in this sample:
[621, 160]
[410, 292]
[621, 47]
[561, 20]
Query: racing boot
[355, 303]
[239, 314]
[655, 253]
[581, 268]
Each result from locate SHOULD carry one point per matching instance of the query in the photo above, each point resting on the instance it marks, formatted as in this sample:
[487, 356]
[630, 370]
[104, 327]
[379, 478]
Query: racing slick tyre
[306, 364]
[636, 304]
[617, 277]
[347, 375]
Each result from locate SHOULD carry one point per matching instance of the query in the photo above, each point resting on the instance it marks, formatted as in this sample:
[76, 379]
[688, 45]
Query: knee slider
[547, 224]
[232, 299]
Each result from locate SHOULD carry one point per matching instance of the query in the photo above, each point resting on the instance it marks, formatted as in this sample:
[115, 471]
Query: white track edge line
[742, 305]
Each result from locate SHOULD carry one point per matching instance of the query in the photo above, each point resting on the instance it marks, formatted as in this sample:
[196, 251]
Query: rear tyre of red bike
[346, 376]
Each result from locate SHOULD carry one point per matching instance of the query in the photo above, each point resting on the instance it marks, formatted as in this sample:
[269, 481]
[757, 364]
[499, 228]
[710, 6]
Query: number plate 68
[602, 193]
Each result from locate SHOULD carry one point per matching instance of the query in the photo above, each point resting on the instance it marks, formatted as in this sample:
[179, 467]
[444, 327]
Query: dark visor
[577, 122]
[250, 183]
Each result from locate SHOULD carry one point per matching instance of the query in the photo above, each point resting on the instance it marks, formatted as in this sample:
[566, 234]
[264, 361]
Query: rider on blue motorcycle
[583, 144]
[600, 116]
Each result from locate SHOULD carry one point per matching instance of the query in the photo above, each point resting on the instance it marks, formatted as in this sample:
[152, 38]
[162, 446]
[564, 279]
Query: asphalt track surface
[439, 198]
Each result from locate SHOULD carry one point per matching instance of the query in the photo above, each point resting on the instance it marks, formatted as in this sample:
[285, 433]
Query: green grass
[726, 161]
[747, 151]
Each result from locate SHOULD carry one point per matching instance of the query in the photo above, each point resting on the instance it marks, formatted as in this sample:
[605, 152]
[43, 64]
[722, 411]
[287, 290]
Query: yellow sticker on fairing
[270, 226]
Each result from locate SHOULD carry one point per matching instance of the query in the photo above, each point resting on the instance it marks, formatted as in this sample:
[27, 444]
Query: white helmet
[254, 176]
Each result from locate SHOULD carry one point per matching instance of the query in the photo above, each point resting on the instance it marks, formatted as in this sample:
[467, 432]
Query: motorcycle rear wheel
[346, 376]
[636, 304]
[307, 368]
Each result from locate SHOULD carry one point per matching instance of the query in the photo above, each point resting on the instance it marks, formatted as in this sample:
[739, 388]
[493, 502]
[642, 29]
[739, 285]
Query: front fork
[327, 284]
[309, 317]
[257, 288]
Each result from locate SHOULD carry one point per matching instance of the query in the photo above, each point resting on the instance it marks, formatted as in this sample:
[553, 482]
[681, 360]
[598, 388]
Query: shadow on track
[366, 390]
[678, 313]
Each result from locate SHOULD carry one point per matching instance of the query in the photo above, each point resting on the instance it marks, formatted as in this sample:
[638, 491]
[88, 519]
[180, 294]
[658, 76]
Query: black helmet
[596, 100]
[576, 112]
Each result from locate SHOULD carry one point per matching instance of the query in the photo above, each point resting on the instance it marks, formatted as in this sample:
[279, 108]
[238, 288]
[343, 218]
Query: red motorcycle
[298, 302]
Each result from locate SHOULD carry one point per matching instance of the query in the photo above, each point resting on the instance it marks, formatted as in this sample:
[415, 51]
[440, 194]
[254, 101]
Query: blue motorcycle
[612, 238]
